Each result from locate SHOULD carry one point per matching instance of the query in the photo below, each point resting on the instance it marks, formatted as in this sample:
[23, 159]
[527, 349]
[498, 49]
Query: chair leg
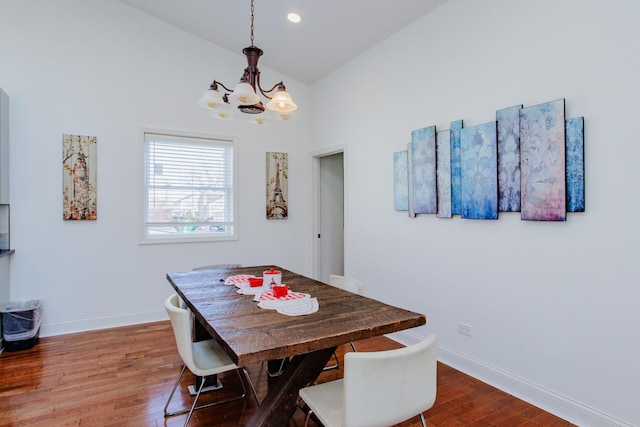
[167, 414]
[283, 362]
[307, 418]
[334, 366]
[424, 424]
[195, 400]
[253, 389]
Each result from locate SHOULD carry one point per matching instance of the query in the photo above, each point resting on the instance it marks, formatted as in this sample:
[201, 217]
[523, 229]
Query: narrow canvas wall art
[478, 149]
[400, 181]
[423, 152]
[509, 159]
[456, 208]
[412, 213]
[277, 185]
[79, 177]
[443, 161]
[575, 164]
[542, 162]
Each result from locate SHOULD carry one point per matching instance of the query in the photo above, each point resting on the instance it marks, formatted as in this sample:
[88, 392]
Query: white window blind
[189, 188]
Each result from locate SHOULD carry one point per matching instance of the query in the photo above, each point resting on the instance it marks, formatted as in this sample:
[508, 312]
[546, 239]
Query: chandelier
[244, 97]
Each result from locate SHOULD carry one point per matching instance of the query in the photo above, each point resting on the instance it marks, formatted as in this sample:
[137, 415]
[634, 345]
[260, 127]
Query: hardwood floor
[123, 376]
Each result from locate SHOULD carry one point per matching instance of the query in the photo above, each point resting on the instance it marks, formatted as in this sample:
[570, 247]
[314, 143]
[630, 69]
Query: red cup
[255, 282]
[280, 290]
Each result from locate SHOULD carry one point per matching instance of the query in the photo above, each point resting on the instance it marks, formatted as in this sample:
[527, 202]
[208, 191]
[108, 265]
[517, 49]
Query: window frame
[185, 136]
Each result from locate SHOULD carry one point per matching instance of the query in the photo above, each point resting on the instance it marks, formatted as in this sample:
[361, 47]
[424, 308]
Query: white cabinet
[4, 200]
[4, 148]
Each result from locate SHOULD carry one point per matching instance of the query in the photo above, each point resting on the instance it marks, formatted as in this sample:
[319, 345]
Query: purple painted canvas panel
[456, 208]
[575, 164]
[479, 159]
[542, 162]
[400, 181]
[443, 160]
[509, 159]
[423, 159]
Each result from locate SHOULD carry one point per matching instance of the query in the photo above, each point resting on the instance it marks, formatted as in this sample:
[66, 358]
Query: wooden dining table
[251, 335]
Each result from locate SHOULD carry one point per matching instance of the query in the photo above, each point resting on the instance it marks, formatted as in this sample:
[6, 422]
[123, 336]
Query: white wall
[553, 306]
[101, 68]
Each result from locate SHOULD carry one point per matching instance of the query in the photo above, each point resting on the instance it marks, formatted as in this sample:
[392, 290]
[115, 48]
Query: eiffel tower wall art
[277, 185]
[79, 161]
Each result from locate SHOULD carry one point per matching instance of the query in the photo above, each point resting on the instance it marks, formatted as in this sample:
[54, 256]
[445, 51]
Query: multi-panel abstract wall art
[529, 160]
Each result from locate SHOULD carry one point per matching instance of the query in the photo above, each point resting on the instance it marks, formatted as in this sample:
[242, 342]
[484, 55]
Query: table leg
[282, 400]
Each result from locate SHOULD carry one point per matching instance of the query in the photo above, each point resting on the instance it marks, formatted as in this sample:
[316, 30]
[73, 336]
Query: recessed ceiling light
[293, 17]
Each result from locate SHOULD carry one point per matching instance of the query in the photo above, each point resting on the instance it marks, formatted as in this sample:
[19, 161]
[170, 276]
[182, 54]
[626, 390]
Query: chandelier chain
[252, 23]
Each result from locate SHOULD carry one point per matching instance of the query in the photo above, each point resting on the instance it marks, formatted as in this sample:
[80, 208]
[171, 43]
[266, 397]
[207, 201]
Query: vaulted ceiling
[331, 32]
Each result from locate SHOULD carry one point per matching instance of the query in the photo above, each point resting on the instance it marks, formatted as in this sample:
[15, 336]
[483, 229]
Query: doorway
[329, 213]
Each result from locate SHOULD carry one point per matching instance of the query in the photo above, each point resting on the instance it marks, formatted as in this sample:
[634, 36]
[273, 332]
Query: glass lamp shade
[244, 94]
[225, 113]
[259, 119]
[290, 115]
[282, 102]
[211, 99]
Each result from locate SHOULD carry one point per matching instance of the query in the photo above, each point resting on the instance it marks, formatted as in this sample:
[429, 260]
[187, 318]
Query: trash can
[20, 324]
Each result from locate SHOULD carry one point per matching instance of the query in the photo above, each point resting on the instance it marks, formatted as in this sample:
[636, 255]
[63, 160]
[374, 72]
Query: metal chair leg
[253, 389]
[166, 414]
[334, 366]
[195, 400]
[337, 364]
[424, 424]
[307, 418]
[283, 362]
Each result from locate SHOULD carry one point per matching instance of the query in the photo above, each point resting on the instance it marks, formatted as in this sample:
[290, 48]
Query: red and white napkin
[269, 296]
[238, 280]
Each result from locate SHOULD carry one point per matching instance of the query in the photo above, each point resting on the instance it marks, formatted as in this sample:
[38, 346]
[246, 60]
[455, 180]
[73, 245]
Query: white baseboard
[61, 328]
[554, 403]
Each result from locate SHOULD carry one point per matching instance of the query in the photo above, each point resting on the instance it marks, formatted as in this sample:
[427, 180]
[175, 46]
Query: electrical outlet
[464, 329]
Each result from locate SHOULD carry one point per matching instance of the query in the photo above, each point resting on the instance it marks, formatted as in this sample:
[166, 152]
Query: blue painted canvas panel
[412, 213]
[443, 174]
[400, 181]
[574, 134]
[423, 162]
[456, 206]
[509, 159]
[479, 162]
[542, 162]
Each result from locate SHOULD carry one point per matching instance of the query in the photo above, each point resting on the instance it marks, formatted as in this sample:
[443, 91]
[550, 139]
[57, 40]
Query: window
[189, 188]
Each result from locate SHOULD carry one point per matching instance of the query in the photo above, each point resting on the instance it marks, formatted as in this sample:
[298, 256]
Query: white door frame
[314, 159]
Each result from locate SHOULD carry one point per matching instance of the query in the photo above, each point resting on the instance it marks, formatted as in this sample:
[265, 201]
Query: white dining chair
[379, 389]
[348, 284]
[202, 358]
